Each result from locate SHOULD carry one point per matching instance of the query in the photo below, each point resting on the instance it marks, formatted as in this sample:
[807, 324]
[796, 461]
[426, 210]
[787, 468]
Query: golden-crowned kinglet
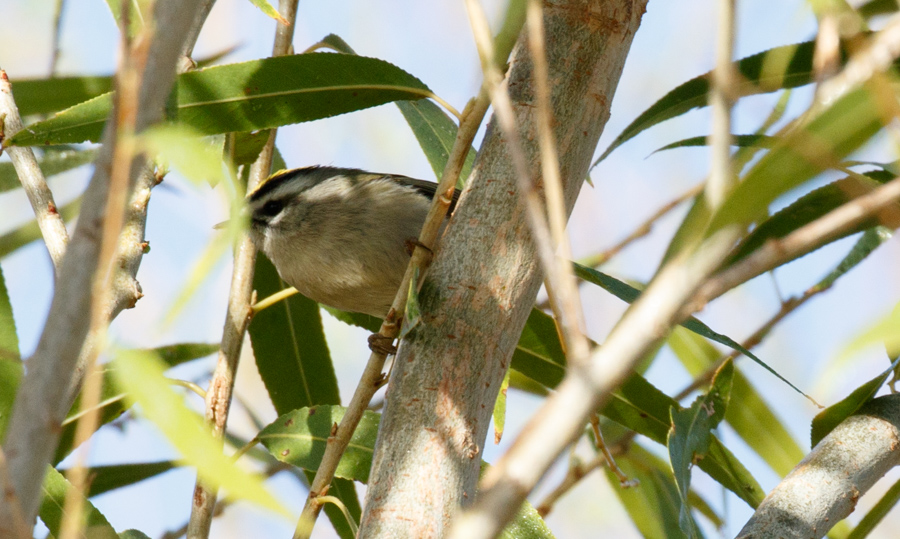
[340, 236]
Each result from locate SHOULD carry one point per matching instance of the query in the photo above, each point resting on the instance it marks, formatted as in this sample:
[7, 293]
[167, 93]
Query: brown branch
[240, 301]
[33, 429]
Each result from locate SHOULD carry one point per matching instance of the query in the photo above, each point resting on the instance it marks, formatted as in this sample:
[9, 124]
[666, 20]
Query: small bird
[340, 236]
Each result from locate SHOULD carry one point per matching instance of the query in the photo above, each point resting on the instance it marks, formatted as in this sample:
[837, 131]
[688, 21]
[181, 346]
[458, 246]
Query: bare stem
[240, 301]
[49, 221]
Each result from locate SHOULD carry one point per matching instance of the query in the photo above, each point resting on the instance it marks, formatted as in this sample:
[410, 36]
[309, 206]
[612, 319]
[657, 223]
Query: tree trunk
[484, 280]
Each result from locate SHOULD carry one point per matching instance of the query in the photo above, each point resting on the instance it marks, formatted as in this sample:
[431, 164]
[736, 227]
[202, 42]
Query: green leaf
[269, 11]
[51, 164]
[112, 398]
[436, 133]
[788, 66]
[878, 511]
[750, 415]
[46, 96]
[248, 96]
[527, 524]
[539, 354]
[499, 414]
[869, 241]
[141, 375]
[133, 534]
[184, 149]
[432, 127]
[139, 13]
[653, 505]
[299, 438]
[805, 152]
[689, 437]
[361, 320]
[873, 8]
[741, 141]
[629, 294]
[290, 348]
[412, 314]
[295, 365]
[107, 478]
[829, 418]
[11, 368]
[52, 511]
[807, 209]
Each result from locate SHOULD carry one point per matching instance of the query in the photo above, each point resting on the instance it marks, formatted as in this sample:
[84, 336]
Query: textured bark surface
[484, 279]
[825, 487]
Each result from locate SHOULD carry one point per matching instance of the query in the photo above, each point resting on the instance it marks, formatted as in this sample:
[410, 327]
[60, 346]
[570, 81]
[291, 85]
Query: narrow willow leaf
[750, 415]
[29, 232]
[807, 209]
[11, 368]
[139, 13]
[290, 348]
[432, 127]
[295, 365]
[182, 148]
[653, 505]
[269, 11]
[412, 313]
[141, 375]
[53, 505]
[436, 133]
[46, 96]
[864, 246]
[500, 409]
[51, 164]
[539, 354]
[107, 478]
[741, 141]
[842, 128]
[299, 438]
[880, 510]
[527, 524]
[689, 438]
[248, 96]
[365, 321]
[112, 399]
[629, 294]
[829, 418]
[788, 66]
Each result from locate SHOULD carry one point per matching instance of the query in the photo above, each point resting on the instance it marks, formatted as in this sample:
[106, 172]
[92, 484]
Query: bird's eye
[272, 208]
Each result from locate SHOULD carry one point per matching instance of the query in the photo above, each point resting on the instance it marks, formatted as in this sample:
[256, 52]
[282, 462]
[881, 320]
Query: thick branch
[484, 281]
[38, 411]
[825, 487]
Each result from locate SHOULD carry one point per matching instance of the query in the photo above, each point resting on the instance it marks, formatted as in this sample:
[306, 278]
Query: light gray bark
[825, 487]
[484, 279]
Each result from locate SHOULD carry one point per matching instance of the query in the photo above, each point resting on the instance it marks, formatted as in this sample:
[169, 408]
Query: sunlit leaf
[249, 96]
[141, 375]
[185, 150]
[53, 507]
[10, 362]
[689, 437]
[842, 128]
[499, 414]
[750, 414]
[269, 11]
[829, 418]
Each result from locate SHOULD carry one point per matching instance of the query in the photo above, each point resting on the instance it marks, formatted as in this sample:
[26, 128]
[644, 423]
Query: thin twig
[372, 377]
[128, 86]
[778, 251]
[721, 100]
[49, 221]
[57, 35]
[641, 230]
[237, 318]
[31, 435]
